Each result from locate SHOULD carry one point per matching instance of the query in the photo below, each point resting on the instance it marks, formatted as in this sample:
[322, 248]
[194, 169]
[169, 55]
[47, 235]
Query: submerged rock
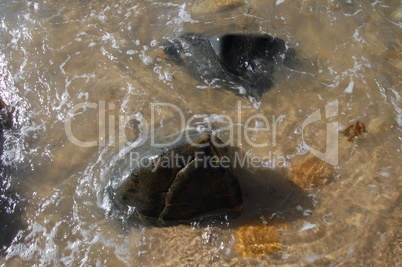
[243, 63]
[177, 182]
[354, 131]
[311, 172]
[257, 238]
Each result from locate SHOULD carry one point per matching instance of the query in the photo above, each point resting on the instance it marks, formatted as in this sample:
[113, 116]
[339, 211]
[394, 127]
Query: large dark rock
[243, 63]
[177, 182]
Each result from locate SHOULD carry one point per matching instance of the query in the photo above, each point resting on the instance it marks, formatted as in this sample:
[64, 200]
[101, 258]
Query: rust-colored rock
[311, 172]
[256, 238]
[354, 131]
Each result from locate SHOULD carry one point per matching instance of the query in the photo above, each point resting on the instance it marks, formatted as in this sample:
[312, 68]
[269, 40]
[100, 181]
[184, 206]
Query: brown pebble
[256, 238]
[358, 129]
[311, 172]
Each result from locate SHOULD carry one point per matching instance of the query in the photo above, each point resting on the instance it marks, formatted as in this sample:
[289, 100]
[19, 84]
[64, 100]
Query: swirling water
[56, 56]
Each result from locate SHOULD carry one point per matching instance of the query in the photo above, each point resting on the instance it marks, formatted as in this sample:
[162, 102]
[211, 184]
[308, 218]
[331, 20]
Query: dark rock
[243, 63]
[177, 182]
[11, 212]
[5, 123]
[2, 105]
[11, 209]
[5, 116]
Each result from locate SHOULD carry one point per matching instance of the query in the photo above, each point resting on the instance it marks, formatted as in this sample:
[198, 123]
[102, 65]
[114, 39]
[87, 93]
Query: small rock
[311, 172]
[354, 131]
[256, 239]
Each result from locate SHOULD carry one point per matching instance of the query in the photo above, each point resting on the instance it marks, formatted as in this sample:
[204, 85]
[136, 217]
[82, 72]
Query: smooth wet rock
[177, 182]
[243, 63]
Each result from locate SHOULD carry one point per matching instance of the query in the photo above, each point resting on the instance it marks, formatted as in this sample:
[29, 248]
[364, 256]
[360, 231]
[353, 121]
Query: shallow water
[57, 55]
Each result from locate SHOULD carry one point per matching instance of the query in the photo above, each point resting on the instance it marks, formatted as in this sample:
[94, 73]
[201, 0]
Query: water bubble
[298, 131]
[287, 164]
[153, 43]
[168, 75]
[131, 52]
[302, 149]
[259, 124]
[145, 59]
[200, 128]
[267, 164]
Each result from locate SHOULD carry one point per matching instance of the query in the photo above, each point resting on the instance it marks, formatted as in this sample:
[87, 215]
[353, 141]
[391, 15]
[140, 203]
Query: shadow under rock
[267, 194]
[270, 194]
